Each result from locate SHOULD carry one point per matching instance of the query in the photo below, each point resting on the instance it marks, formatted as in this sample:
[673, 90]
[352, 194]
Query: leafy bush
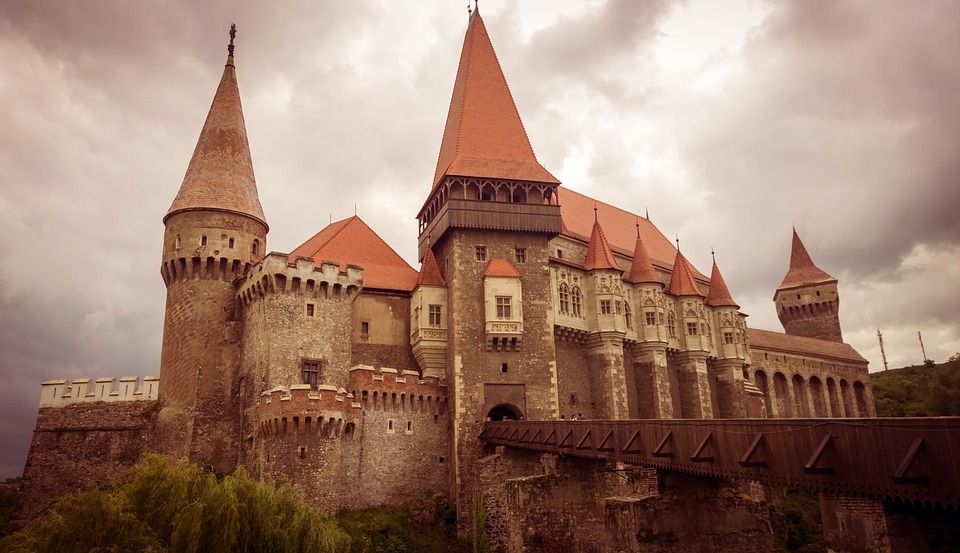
[918, 391]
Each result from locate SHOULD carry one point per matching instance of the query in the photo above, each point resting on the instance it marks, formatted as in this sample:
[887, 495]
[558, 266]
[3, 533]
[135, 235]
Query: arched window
[671, 325]
[628, 314]
[564, 299]
[577, 302]
[255, 247]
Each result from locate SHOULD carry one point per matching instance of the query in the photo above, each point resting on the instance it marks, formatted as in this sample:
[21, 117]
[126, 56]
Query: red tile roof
[430, 271]
[484, 136]
[642, 270]
[220, 175]
[501, 268]
[682, 282]
[599, 255]
[802, 271]
[619, 228]
[352, 242]
[719, 295]
[766, 339]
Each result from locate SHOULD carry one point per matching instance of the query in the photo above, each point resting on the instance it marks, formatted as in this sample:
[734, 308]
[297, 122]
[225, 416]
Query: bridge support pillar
[862, 525]
[694, 380]
[608, 375]
[654, 386]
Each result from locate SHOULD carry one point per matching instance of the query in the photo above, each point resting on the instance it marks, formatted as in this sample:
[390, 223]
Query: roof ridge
[327, 241]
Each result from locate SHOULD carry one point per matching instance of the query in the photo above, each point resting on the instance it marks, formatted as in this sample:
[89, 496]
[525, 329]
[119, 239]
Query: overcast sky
[730, 121]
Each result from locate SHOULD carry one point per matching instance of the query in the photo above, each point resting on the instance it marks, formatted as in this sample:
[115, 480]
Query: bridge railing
[910, 459]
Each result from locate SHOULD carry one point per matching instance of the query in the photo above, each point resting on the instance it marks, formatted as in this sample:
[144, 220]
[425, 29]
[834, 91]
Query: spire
[599, 255]
[220, 175]
[719, 294]
[802, 271]
[682, 282]
[642, 270]
[484, 136]
[430, 271]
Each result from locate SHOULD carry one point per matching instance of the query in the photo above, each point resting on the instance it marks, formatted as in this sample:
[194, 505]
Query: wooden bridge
[914, 460]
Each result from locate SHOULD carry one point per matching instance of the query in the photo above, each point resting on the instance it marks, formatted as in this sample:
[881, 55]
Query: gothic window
[481, 253]
[604, 307]
[692, 329]
[649, 318]
[504, 307]
[435, 315]
[628, 314]
[312, 371]
[671, 325]
[564, 299]
[577, 302]
[521, 255]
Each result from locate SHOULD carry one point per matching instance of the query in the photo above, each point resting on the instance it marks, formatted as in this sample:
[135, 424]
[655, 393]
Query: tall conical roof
[642, 270]
[719, 295]
[484, 136]
[802, 271]
[682, 282]
[430, 271]
[220, 175]
[599, 255]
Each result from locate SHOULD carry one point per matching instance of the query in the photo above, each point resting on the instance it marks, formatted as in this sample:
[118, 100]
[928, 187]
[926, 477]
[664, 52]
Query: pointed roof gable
[484, 136]
[620, 228]
[599, 255]
[352, 242]
[642, 271]
[430, 271]
[802, 271]
[220, 175]
[501, 268]
[682, 282]
[718, 295]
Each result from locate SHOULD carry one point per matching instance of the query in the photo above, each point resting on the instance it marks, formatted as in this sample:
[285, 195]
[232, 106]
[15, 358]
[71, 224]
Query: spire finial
[596, 218]
[647, 210]
[233, 35]
[469, 10]
[713, 255]
[638, 228]
[678, 242]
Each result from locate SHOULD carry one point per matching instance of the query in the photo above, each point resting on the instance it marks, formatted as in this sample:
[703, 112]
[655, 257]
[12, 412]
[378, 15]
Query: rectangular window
[619, 306]
[312, 371]
[650, 318]
[692, 329]
[604, 307]
[659, 318]
[435, 314]
[504, 310]
[203, 240]
[481, 253]
[230, 243]
[727, 337]
[364, 327]
[521, 255]
[309, 310]
[559, 253]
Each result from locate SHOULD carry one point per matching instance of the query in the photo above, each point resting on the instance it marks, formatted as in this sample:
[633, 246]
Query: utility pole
[883, 354]
[922, 350]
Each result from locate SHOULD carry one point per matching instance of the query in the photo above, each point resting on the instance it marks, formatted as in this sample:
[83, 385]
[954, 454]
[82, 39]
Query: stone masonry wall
[81, 443]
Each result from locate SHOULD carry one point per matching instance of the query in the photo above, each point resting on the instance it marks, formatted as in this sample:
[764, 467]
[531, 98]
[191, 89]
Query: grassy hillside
[931, 390]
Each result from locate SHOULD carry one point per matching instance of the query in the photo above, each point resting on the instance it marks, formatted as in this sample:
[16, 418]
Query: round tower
[215, 229]
[808, 302]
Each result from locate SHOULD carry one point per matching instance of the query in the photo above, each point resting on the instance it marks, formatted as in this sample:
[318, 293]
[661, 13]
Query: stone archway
[504, 412]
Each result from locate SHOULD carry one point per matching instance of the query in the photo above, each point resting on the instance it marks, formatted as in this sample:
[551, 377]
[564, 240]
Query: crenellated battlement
[276, 274]
[388, 389]
[58, 393]
[325, 411]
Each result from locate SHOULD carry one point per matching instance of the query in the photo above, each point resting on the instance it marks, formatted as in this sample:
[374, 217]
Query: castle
[345, 370]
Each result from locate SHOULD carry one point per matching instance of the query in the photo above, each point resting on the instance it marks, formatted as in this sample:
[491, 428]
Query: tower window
[310, 310]
[692, 329]
[619, 306]
[650, 318]
[230, 243]
[255, 247]
[521, 255]
[435, 315]
[203, 242]
[364, 327]
[671, 325]
[504, 307]
[481, 253]
[628, 315]
[504, 368]
[604, 307]
[176, 243]
[564, 299]
[577, 302]
[312, 371]
[559, 253]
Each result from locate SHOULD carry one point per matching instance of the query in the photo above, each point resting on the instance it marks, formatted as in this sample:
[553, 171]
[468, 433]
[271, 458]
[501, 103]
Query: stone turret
[215, 229]
[429, 319]
[687, 327]
[731, 348]
[807, 300]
